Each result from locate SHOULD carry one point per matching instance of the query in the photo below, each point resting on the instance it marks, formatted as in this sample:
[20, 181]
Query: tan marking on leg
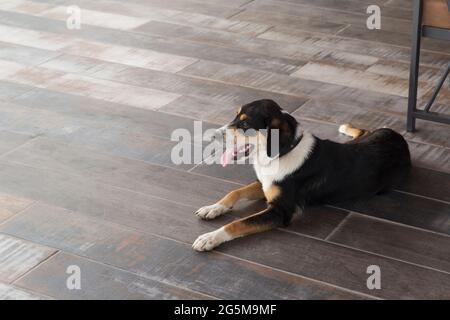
[262, 221]
[272, 193]
[244, 227]
[252, 191]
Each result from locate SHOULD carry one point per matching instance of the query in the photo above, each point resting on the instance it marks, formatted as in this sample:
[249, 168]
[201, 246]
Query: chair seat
[436, 13]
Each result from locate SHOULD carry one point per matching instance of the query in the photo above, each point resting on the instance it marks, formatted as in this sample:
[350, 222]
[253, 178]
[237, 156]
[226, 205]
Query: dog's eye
[245, 125]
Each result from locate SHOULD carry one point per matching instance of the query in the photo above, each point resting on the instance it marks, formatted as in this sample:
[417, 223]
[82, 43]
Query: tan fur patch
[243, 117]
[272, 193]
[275, 123]
[285, 129]
[242, 227]
[230, 199]
[252, 191]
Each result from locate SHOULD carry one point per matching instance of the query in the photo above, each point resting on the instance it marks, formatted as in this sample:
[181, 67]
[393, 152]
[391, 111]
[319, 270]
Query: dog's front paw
[210, 240]
[211, 212]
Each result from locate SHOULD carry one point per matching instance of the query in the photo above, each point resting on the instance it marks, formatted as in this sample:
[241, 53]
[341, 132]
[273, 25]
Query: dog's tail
[351, 131]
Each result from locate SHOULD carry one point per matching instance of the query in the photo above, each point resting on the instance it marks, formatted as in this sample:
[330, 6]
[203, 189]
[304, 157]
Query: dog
[304, 170]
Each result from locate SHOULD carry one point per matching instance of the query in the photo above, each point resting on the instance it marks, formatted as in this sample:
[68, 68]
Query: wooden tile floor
[86, 177]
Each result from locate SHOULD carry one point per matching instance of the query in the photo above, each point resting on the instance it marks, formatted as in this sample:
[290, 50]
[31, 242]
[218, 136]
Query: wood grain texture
[363, 47]
[139, 13]
[113, 203]
[371, 116]
[160, 259]
[286, 13]
[10, 205]
[86, 118]
[421, 247]
[258, 79]
[52, 155]
[410, 210]
[356, 79]
[340, 266]
[11, 292]
[403, 12]
[174, 46]
[19, 256]
[11, 140]
[430, 183]
[98, 281]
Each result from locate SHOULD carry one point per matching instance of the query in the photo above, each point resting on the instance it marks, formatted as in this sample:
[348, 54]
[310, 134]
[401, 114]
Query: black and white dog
[306, 170]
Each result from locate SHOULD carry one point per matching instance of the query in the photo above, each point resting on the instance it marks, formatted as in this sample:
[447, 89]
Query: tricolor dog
[304, 170]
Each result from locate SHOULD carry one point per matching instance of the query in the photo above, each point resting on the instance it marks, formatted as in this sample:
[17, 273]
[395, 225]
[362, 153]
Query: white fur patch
[212, 211]
[343, 128]
[269, 171]
[210, 240]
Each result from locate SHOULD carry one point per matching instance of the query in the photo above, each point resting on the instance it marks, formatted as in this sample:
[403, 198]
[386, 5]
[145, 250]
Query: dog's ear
[273, 138]
[280, 133]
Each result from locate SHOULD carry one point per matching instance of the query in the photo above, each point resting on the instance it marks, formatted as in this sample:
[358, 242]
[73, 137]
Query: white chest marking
[276, 169]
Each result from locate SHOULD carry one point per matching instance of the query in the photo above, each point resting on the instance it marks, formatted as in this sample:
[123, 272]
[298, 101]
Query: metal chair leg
[414, 68]
[437, 89]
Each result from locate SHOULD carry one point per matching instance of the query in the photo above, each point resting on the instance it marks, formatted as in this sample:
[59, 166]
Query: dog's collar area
[297, 138]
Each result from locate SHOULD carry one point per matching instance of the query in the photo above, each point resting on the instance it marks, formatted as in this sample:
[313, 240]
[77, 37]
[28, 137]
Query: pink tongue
[226, 157]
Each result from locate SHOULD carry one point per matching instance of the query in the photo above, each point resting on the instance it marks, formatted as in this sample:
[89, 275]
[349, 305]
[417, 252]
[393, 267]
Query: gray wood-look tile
[163, 260]
[25, 55]
[392, 37]
[86, 118]
[404, 208]
[87, 126]
[146, 209]
[226, 93]
[154, 42]
[393, 240]
[356, 79]
[403, 12]
[286, 13]
[10, 205]
[19, 256]
[361, 47]
[11, 140]
[262, 80]
[339, 265]
[9, 90]
[98, 281]
[370, 117]
[11, 292]
[429, 183]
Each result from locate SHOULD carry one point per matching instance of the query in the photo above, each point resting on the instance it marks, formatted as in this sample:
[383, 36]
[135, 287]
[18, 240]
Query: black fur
[333, 172]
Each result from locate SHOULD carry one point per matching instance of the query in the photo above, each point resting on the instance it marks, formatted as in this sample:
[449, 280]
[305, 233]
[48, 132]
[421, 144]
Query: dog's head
[259, 128]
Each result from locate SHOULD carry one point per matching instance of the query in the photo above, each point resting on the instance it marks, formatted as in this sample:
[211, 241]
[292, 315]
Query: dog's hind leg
[351, 131]
[252, 191]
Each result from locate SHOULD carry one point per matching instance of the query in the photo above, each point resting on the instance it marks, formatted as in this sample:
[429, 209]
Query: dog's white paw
[211, 212]
[343, 128]
[210, 240]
